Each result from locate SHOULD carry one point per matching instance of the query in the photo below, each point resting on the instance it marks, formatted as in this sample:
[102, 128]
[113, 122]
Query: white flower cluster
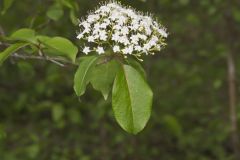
[121, 29]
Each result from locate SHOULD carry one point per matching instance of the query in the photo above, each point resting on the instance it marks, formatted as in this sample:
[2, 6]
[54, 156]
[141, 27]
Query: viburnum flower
[121, 30]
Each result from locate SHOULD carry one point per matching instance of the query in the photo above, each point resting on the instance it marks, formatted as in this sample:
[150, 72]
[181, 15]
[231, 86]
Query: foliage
[41, 118]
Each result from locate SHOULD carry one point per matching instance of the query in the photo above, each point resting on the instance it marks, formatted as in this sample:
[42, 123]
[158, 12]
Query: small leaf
[236, 14]
[82, 76]
[103, 75]
[74, 115]
[2, 132]
[6, 5]
[63, 47]
[73, 17]
[24, 34]
[55, 12]
[131, 100]
[67, 3]
[57, 112]
[173, 125]
[7, 52]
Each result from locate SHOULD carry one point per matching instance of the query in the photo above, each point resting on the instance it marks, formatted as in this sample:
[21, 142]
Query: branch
[56, 60]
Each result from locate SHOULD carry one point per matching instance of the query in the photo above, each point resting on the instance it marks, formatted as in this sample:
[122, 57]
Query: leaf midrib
[129, 95]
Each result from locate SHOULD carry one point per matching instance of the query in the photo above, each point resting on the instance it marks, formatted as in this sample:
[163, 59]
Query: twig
[55, 60]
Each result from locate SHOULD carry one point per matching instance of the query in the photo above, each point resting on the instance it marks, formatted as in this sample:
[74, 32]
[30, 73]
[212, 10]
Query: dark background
[192, 117]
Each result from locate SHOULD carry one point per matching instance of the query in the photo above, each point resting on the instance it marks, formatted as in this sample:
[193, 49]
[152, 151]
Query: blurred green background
[42, 119]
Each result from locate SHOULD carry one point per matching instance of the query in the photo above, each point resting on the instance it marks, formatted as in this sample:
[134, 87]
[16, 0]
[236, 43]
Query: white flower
[97, 26]
[124, 40]
[138, 48]
[103, 35]
[86, 30]
[115, 37]
[141, 36]
[86, 50]
[103, 25]
[117, 27]
[104, 9]
[134, 26]
[92, 18]
[100, 50]
[158, 47]
[121, 20]
[134, 39]
[114, 15]
[147, 46]
[122, 30]
[85, 24]
[153, 41]
[107, 21]
[163, 32]
[128, 50]
[91, 39]
[80, 36]
[116, 49]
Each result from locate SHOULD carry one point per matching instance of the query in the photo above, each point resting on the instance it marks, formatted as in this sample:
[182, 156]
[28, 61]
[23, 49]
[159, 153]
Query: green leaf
[6, 5]
[42, 38]
[173, 125]
[24, 34]
[63, 47]
[73, 17]
[236, 14]
[131, 100]
[2, 132]
[67, 3]
[135, 64]
[57, 112]
[82, 76]
[55, 12]
[103, 75]
[11, 49]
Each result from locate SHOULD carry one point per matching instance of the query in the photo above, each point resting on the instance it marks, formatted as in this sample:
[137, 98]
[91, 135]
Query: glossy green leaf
[6, 5]
[24, 34]
[103, 76]
[135, 64]
[131, 99]
[42, 38]
[63, 47]
[55, 12]
[11, 49]
[83, 74]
